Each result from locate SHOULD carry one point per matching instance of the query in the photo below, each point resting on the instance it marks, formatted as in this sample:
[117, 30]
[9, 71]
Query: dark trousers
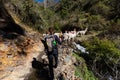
[51, 55]
[55, 55]
[50, 58]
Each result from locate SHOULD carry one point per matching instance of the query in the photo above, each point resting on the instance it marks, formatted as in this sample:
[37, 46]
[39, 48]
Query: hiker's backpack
[50, 40]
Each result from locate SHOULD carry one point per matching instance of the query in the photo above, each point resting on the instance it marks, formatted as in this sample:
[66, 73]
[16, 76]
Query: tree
[27, 8]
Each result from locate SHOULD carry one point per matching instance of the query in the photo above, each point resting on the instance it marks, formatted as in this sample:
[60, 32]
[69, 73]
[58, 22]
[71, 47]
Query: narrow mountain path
[65, 68]
[87, 36]
[25, 71]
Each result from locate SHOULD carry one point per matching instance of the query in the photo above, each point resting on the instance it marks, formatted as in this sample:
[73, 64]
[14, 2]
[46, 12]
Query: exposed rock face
[16, 56]
[17, 48]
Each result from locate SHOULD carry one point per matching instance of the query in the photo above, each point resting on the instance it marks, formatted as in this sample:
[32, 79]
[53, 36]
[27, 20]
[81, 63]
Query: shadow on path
[39, 70]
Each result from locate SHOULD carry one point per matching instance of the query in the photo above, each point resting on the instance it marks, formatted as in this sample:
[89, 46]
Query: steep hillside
[22, 21]
[99, 16]
[18, 45]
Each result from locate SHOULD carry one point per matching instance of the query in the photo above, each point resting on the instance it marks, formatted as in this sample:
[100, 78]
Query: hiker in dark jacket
[52, 50]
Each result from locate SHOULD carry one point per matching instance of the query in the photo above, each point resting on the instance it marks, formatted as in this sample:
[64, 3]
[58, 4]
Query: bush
[105, 57]
[97, 22]
[82, 71]
[114, 29]
[100, 8]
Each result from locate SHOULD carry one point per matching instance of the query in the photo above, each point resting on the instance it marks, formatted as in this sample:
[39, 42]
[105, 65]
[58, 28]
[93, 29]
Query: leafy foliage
[28, 12]
[101, 22]
[104, 56]
[82, 71]
[100, 8]
[67, 7]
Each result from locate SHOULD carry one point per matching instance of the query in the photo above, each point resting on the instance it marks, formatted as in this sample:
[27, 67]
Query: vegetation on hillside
[97, 15]
[82, 70]
[103, 58]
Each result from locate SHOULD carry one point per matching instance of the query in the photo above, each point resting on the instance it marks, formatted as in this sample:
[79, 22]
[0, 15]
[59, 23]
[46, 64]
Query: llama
[69, 35]
[82, 32]
[44, 35]
[72, 35]
[57, 34]
[66, 35]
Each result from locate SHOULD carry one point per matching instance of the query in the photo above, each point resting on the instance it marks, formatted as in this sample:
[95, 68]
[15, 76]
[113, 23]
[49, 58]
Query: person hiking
[52, 50]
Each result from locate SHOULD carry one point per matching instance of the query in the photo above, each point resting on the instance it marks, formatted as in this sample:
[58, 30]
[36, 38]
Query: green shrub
[103, 53]
[97, 22]
[82, 71]
[100, 8]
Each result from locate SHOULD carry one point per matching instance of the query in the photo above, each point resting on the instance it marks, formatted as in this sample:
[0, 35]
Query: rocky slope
[16, 50]
[16, 56]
